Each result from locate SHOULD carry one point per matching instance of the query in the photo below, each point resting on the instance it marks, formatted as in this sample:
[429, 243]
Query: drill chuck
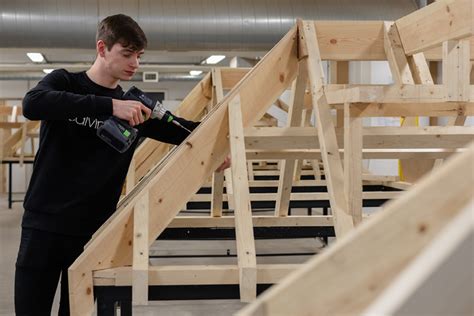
[158, 111]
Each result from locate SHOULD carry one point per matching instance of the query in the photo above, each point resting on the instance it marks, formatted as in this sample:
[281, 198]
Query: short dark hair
[121, 28]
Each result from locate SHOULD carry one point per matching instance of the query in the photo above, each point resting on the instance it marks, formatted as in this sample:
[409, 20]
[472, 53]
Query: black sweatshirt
[77, 177]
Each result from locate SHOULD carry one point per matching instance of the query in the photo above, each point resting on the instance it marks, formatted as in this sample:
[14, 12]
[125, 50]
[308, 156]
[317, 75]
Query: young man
[77, 177]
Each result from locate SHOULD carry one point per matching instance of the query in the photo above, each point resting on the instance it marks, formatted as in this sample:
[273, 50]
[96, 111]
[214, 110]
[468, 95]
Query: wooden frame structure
[356, 270]
[14, 135]
[153, 204]
[193, 107]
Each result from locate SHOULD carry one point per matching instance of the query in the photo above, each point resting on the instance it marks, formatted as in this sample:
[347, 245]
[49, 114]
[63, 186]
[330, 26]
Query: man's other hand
[224, 165]
[130, 111]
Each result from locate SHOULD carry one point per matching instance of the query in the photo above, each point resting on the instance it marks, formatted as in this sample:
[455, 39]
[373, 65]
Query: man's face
[121, 62]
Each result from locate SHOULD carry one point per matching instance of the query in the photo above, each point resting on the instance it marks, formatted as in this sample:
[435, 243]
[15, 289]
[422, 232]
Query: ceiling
[181, 34]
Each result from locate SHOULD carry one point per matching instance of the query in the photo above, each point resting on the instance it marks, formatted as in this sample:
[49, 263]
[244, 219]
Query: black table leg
[10, 178]
[325, 212]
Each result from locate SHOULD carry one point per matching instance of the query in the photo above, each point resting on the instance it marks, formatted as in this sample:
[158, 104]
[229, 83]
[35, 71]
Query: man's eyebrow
[129, 50]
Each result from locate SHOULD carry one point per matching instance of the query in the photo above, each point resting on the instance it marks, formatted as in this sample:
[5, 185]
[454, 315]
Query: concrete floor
[10, 220]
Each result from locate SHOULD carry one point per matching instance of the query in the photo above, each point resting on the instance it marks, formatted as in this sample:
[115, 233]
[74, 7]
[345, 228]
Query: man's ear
[101, 47]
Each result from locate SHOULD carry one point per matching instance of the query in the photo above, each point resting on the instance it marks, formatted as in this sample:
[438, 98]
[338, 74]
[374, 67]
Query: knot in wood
[282, 77]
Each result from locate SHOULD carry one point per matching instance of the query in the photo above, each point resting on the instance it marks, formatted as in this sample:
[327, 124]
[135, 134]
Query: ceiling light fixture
[214, 59]
[35, 57]
[195, 72]
[48, 71]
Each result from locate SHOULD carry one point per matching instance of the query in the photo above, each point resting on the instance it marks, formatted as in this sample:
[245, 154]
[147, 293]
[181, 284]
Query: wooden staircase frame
[152, 205]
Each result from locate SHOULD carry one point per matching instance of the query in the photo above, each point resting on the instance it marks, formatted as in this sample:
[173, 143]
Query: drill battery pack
[117, 133]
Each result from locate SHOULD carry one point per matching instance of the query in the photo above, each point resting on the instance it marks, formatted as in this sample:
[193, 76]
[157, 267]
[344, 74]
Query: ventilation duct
[166, 77]
[181, 24]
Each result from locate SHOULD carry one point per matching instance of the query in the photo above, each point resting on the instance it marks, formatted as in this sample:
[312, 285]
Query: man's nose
[135, 62]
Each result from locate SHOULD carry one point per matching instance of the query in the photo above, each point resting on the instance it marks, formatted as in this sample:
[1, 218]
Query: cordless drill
[119, 134]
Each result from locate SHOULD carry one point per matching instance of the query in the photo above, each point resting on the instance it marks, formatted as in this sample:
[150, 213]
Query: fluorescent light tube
[35, 57]
[214, 59]
[195, 72]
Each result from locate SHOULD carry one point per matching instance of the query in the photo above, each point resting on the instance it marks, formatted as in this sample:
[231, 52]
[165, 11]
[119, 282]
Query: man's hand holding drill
[134, 112]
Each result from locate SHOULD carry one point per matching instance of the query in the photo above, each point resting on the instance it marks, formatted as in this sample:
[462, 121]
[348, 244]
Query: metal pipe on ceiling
[165, 77]
[176, 25]
[169, 68]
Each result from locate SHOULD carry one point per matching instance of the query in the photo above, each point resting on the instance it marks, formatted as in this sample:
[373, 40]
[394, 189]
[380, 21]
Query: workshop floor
[9, 240]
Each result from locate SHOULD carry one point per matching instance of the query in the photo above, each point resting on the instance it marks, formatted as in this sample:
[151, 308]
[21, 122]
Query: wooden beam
[309, 196]
[420, 69]
[452, 19]
[327, 135]
[232, 76]
[218, 94]
[217, 193]
[353, 164]
[282, 105]
[373, 137]
[11, 125]
[422, 287]
[397, 60]
[294, 119]
[375, 109]
[246, 254]
[436, 54]
[14, 142]
[157, 152]
[218, 177]
[397, 234]
[130, 180]
[179, 176]
[350, 40]
[7, 110]
[197, 100]
[358, 40]
[398, 185]
[258, 221]
[456, 69]
[140, 251]
[193, 274]
[427, 153]
[339, 94]
[339, 74]
[367, 178]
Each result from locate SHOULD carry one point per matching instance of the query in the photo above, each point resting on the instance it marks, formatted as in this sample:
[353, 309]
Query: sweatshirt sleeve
[50, 100]
[168, 132]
